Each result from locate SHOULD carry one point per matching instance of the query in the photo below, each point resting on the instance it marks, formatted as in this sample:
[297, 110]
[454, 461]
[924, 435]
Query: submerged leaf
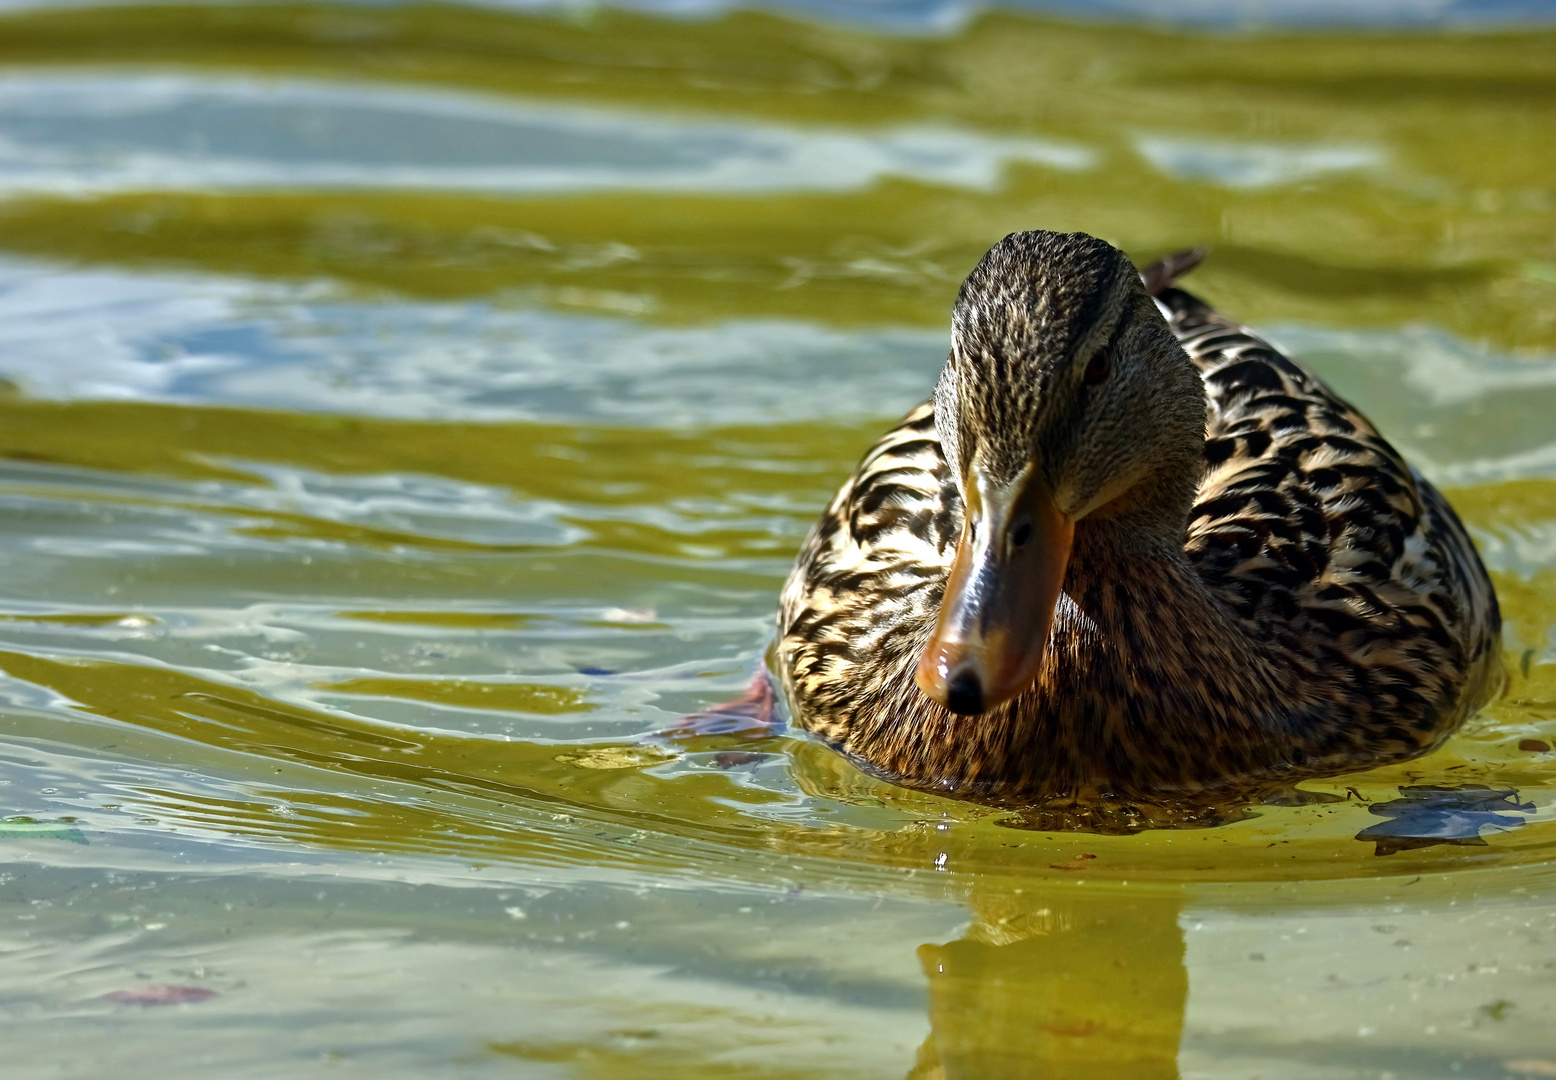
[16, 828]
[616, 757]
[1425, 816]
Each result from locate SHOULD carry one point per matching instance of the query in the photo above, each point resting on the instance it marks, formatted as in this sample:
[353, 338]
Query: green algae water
[411, 411]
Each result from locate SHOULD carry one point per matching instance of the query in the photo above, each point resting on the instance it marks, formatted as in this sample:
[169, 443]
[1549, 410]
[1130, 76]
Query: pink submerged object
[160, 995]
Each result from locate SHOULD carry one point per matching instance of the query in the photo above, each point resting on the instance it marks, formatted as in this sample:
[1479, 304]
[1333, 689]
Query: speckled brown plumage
[1260, 589]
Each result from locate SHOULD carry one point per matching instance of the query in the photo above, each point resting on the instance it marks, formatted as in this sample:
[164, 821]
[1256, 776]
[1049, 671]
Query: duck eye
[1021, 534]
[1098, 368]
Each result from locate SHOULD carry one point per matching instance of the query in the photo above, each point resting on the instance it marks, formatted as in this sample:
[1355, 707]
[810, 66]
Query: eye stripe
[1095, 305]
[1100, 365]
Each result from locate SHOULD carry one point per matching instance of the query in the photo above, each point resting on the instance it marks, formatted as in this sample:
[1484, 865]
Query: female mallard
[1129, 549]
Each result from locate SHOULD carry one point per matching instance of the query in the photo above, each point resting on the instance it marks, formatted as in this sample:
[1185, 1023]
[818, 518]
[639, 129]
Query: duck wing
[1316, 533]
[868, 581]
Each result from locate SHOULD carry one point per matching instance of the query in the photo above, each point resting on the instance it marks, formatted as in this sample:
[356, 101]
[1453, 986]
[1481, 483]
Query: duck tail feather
[1164, 271]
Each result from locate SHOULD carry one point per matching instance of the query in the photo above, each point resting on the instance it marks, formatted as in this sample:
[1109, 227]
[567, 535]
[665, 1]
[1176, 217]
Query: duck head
[1066, 400]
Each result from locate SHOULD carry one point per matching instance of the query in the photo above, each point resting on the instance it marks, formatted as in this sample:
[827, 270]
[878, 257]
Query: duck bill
[999, 601]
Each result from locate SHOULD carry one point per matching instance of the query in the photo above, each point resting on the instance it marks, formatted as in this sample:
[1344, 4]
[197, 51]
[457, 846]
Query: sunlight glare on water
[410, 411]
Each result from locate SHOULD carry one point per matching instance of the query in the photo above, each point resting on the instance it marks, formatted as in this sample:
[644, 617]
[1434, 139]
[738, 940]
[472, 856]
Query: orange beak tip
[933, 670]
[991, 637]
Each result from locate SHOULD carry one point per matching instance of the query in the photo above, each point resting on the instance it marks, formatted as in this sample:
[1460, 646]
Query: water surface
[409, 411]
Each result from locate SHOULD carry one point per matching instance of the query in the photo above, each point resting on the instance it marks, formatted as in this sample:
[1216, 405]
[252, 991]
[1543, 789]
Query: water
[409, 411]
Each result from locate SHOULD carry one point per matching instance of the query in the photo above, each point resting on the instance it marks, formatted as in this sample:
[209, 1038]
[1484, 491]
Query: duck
[1129, 549]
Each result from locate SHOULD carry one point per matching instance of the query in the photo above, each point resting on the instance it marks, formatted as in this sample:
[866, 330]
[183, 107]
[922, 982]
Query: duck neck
[1128, 567]
[1143, 614]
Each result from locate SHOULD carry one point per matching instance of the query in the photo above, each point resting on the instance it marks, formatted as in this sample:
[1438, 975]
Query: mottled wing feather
[1312, 528]
[873, 567]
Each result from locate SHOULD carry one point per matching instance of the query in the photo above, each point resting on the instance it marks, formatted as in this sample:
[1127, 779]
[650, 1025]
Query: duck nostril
[964, 694]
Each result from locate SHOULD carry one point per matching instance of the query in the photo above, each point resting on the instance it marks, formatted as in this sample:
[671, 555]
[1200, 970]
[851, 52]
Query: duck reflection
[1052, 988]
